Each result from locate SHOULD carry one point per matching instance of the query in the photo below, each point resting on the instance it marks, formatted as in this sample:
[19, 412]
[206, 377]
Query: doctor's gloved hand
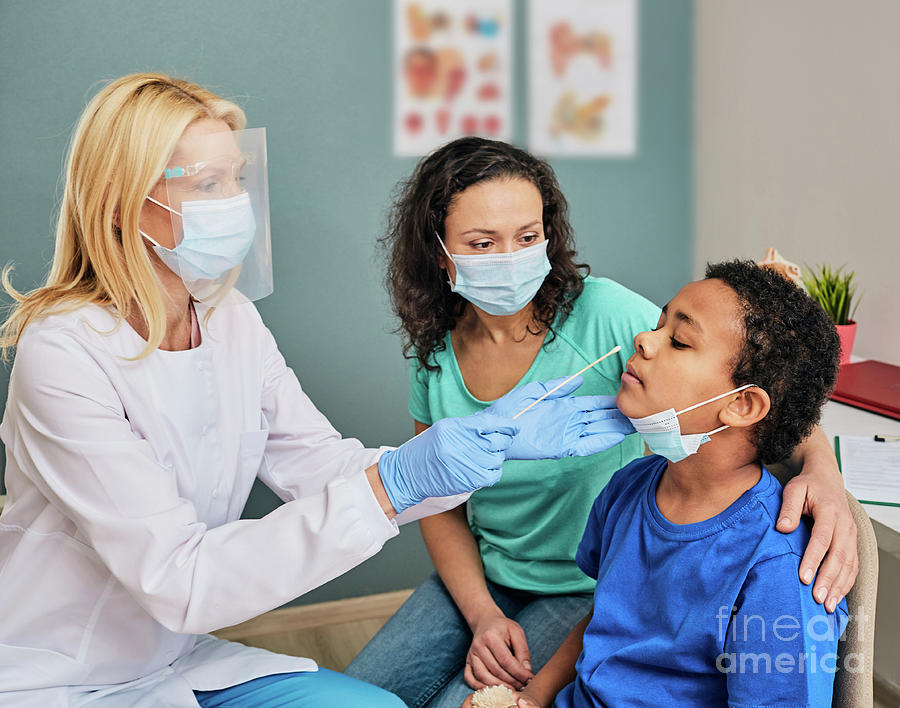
[561, 425]
[453, 456]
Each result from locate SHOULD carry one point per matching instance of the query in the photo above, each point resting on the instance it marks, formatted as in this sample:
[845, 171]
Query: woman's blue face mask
[500, 283]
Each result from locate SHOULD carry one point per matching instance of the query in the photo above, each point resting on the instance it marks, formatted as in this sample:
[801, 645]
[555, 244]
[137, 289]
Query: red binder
[872, 385]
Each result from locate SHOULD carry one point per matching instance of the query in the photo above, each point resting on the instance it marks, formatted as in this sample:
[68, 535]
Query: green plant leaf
[834, 290]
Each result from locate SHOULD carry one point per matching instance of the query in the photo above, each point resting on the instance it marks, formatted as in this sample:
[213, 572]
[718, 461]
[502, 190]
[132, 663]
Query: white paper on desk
[871, 469]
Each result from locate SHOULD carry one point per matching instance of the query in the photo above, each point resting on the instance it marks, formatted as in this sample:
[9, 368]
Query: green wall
[317, 76]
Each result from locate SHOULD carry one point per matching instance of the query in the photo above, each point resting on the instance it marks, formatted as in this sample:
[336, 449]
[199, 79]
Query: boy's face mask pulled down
[661, 432]
[219, 209]
[500, 283]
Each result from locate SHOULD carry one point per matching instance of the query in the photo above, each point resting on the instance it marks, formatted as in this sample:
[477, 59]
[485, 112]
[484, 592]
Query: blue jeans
[420, 653]
[306, 689]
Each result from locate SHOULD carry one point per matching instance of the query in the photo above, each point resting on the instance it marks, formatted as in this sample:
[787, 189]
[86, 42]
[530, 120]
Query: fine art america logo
[787, 644]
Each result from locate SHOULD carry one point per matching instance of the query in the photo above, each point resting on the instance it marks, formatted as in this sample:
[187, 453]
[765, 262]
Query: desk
[841, 419]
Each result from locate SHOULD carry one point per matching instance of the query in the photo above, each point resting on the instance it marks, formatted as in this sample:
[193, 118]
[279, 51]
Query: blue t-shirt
[705, 614]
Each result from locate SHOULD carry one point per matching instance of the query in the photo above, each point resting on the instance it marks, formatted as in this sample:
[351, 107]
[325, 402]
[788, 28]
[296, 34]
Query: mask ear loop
[167, 208]
[438, 240]
[716, 398]
[449, 255]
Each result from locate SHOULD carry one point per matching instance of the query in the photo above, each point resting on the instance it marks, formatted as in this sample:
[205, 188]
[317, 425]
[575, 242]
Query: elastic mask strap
[440, 242]
[151, 240]
[449, 281]
[716, 398]
[717, 430]
[167, 208]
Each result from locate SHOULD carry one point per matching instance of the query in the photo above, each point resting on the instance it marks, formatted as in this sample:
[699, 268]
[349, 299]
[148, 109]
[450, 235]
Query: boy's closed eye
[675, 342]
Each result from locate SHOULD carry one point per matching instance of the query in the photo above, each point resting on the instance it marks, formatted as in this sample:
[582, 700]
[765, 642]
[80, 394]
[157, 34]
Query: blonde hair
[119, 149]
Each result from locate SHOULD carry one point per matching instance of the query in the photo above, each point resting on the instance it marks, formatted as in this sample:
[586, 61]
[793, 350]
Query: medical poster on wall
[451, 72]
[582, 77]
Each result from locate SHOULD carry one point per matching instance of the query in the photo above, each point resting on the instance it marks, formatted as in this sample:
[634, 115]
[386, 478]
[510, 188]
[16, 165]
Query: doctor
[145, 398]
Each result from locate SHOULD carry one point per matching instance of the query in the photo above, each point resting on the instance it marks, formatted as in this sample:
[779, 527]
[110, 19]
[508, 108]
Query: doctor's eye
[208, 187]
[482, 245]
[529, 238]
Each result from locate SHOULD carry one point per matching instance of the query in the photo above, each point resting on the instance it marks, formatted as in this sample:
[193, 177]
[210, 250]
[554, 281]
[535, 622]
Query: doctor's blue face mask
[218, 235]
[500, 283]
[661, 432]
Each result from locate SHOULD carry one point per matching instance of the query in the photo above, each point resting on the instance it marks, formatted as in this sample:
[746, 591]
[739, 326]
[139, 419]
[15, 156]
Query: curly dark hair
[790, 349]
[420, 295]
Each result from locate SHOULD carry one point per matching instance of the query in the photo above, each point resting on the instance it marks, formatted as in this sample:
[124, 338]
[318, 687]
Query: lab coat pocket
[251, 458]
[252, 451]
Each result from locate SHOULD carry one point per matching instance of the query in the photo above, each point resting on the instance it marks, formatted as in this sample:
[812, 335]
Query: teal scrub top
[528, 525]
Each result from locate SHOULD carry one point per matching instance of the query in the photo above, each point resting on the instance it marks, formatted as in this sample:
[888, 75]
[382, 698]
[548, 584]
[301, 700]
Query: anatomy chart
[582, 77]
[451, 72]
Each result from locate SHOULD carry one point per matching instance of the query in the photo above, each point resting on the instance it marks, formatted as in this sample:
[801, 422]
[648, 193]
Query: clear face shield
[218, 197]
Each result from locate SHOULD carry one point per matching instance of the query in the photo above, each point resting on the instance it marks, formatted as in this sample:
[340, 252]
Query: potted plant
[835, 291]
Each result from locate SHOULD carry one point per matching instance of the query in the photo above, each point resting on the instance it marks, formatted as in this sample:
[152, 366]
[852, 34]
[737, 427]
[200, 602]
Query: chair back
[853, 682]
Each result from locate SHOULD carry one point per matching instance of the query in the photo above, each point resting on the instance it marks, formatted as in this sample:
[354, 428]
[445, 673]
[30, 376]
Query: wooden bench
[332, 633]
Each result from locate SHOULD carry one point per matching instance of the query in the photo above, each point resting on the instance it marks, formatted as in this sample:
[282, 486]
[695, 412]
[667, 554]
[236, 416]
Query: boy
[698, 600]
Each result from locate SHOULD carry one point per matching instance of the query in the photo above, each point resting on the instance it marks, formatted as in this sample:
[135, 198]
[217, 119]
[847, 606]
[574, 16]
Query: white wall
[796, 128]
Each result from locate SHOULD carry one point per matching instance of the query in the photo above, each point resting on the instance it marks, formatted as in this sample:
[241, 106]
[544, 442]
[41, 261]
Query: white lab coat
[121, 543]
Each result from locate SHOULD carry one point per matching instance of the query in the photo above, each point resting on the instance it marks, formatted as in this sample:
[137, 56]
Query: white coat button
[205, 430]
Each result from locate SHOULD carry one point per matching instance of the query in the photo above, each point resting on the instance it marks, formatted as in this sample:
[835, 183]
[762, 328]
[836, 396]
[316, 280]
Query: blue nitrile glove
[561, 425]
[453, 456]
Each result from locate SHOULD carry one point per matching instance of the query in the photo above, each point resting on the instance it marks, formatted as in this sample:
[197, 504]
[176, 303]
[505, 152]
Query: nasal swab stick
[556, 388]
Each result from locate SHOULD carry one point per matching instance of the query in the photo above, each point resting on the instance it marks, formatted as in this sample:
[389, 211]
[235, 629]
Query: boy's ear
[746, 408]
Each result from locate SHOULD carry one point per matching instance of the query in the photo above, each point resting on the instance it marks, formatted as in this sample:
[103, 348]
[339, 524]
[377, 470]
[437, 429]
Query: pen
[887, 438]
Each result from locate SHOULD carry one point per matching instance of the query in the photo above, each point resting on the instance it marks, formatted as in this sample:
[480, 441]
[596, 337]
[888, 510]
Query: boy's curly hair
[791, 349]
[418, 288]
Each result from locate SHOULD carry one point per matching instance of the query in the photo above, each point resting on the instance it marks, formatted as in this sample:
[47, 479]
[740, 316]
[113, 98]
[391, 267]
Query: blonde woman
[145, 397]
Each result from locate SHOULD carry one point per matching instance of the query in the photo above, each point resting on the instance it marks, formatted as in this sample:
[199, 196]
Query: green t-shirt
[528, 525]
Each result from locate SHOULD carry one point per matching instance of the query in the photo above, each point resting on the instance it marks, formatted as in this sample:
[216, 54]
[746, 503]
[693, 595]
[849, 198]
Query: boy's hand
[498, 655]
[818, 491]
[523, 700]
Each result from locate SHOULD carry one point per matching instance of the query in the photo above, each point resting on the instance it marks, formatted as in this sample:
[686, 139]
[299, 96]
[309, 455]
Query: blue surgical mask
[218, 234]
[661, 432]
[500, 283]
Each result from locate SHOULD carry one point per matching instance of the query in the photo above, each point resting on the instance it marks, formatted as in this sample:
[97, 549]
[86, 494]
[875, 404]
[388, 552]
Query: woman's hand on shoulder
[498, 655]
[818, 491]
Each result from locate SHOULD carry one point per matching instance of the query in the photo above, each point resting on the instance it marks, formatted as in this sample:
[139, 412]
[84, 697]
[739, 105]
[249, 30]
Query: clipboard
[871, 469]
